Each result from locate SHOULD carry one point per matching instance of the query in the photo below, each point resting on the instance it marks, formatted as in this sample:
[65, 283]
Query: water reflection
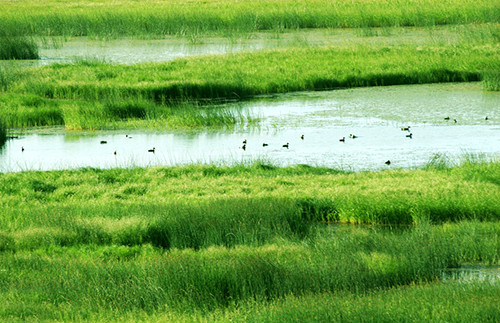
[374, 115]
[473, 273]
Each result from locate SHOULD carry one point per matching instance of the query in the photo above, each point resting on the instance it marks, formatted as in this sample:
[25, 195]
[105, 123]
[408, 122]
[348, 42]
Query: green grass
[196, 18]
[18, 48]
[3, 134]
[207, 242]
[93, 95]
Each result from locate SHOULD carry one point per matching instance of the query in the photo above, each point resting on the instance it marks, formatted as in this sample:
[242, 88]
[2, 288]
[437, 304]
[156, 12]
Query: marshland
[181, 161]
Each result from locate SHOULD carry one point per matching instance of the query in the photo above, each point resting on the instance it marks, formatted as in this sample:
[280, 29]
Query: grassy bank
[94, 95]
[195, 18]
[18, 48]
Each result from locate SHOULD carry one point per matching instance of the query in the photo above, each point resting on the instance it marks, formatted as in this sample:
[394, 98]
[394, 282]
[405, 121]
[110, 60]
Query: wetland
[135, 185]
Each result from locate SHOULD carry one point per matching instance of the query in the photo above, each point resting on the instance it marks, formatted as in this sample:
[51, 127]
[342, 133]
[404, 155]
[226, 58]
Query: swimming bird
[353, 136]
[286, 145]
[129, 137]
[455, 120]
[485, 118]
[244, 141]
[22, 148]
[302, 137]
[388, 162]
[410, 135]
[342, 139]
[265, 145]
[152, 150]
[244, 147]
[447, 118]
[114, 152]
[405, 128]
[103, 142]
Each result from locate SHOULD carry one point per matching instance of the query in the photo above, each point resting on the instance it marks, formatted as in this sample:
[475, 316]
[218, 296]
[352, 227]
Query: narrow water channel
[374, 115]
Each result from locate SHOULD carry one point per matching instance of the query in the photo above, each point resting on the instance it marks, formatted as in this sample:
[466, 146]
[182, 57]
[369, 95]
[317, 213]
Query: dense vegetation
[243, 243]
[94, 244]
[106, 19]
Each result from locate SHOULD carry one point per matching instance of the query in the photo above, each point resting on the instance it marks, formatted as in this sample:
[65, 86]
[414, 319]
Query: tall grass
[3, 134]
[89, 280]
[18, 48]
[195, 18]
[248, 74]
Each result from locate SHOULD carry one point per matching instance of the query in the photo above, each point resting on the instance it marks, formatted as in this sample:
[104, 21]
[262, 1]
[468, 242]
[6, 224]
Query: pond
[473, 273]
[374, 115]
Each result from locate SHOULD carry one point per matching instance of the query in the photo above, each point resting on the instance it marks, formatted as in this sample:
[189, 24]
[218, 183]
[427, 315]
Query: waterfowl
[286, 145]
[244, 147]
[410, 135]
[152, 150]
[447, 118]
[485, 118]
[22, 148]
[405, 128]
[265, 145]
[388, 162]
[302, 137]
[353, 136]
[129, 137]
[342, 139]
[114, 152]
[103, 142]
[455, 120]
[244, 141]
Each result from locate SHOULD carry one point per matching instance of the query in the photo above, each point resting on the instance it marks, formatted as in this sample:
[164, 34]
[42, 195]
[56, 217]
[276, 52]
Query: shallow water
[131, 51]
[473, 273]
[375, 115]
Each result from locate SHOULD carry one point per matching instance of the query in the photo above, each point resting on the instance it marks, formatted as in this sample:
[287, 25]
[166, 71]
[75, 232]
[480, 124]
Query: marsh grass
[18, 48]
[86, 279]
[95, 244]
[3, 134]
[194, 19]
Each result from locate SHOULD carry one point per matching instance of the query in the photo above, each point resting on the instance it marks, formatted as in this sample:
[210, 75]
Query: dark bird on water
[286, 145]
[447, 118]
[129, 137]
[410, 135]
[485, 118]
[22, 148]
[244, 142]
[103, 142]
[353, 136]
[405, 128]
[114, 152]
[302, 137]
[455, 120]
[388, 162]
[244, 147]
[152, 150]
[342, 140]
[265, 145]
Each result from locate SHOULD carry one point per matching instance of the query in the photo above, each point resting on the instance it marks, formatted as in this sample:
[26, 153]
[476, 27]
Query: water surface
[374, 115]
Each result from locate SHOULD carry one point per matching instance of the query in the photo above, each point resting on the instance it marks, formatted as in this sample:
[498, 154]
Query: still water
[374, 115]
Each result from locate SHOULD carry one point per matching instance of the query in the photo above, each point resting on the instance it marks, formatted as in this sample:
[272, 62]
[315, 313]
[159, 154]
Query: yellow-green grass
[198, 206]
[98, 283]
[93, 95]
[241, 242]
[155, 18]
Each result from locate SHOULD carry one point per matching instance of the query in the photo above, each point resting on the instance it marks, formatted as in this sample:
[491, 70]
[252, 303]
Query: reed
[196, 18]
[248, 74]
[18, 48]
[88, 280]
[3, 134]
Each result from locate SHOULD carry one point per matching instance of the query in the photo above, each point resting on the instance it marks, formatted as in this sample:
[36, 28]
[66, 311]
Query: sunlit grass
[197, 18]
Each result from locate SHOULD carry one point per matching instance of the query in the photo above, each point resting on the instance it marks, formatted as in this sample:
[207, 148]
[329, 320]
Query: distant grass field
[256, 242]
[104, 19]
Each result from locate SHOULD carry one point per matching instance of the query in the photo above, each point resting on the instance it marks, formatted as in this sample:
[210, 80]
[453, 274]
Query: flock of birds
[352, 136]
[287, 145]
